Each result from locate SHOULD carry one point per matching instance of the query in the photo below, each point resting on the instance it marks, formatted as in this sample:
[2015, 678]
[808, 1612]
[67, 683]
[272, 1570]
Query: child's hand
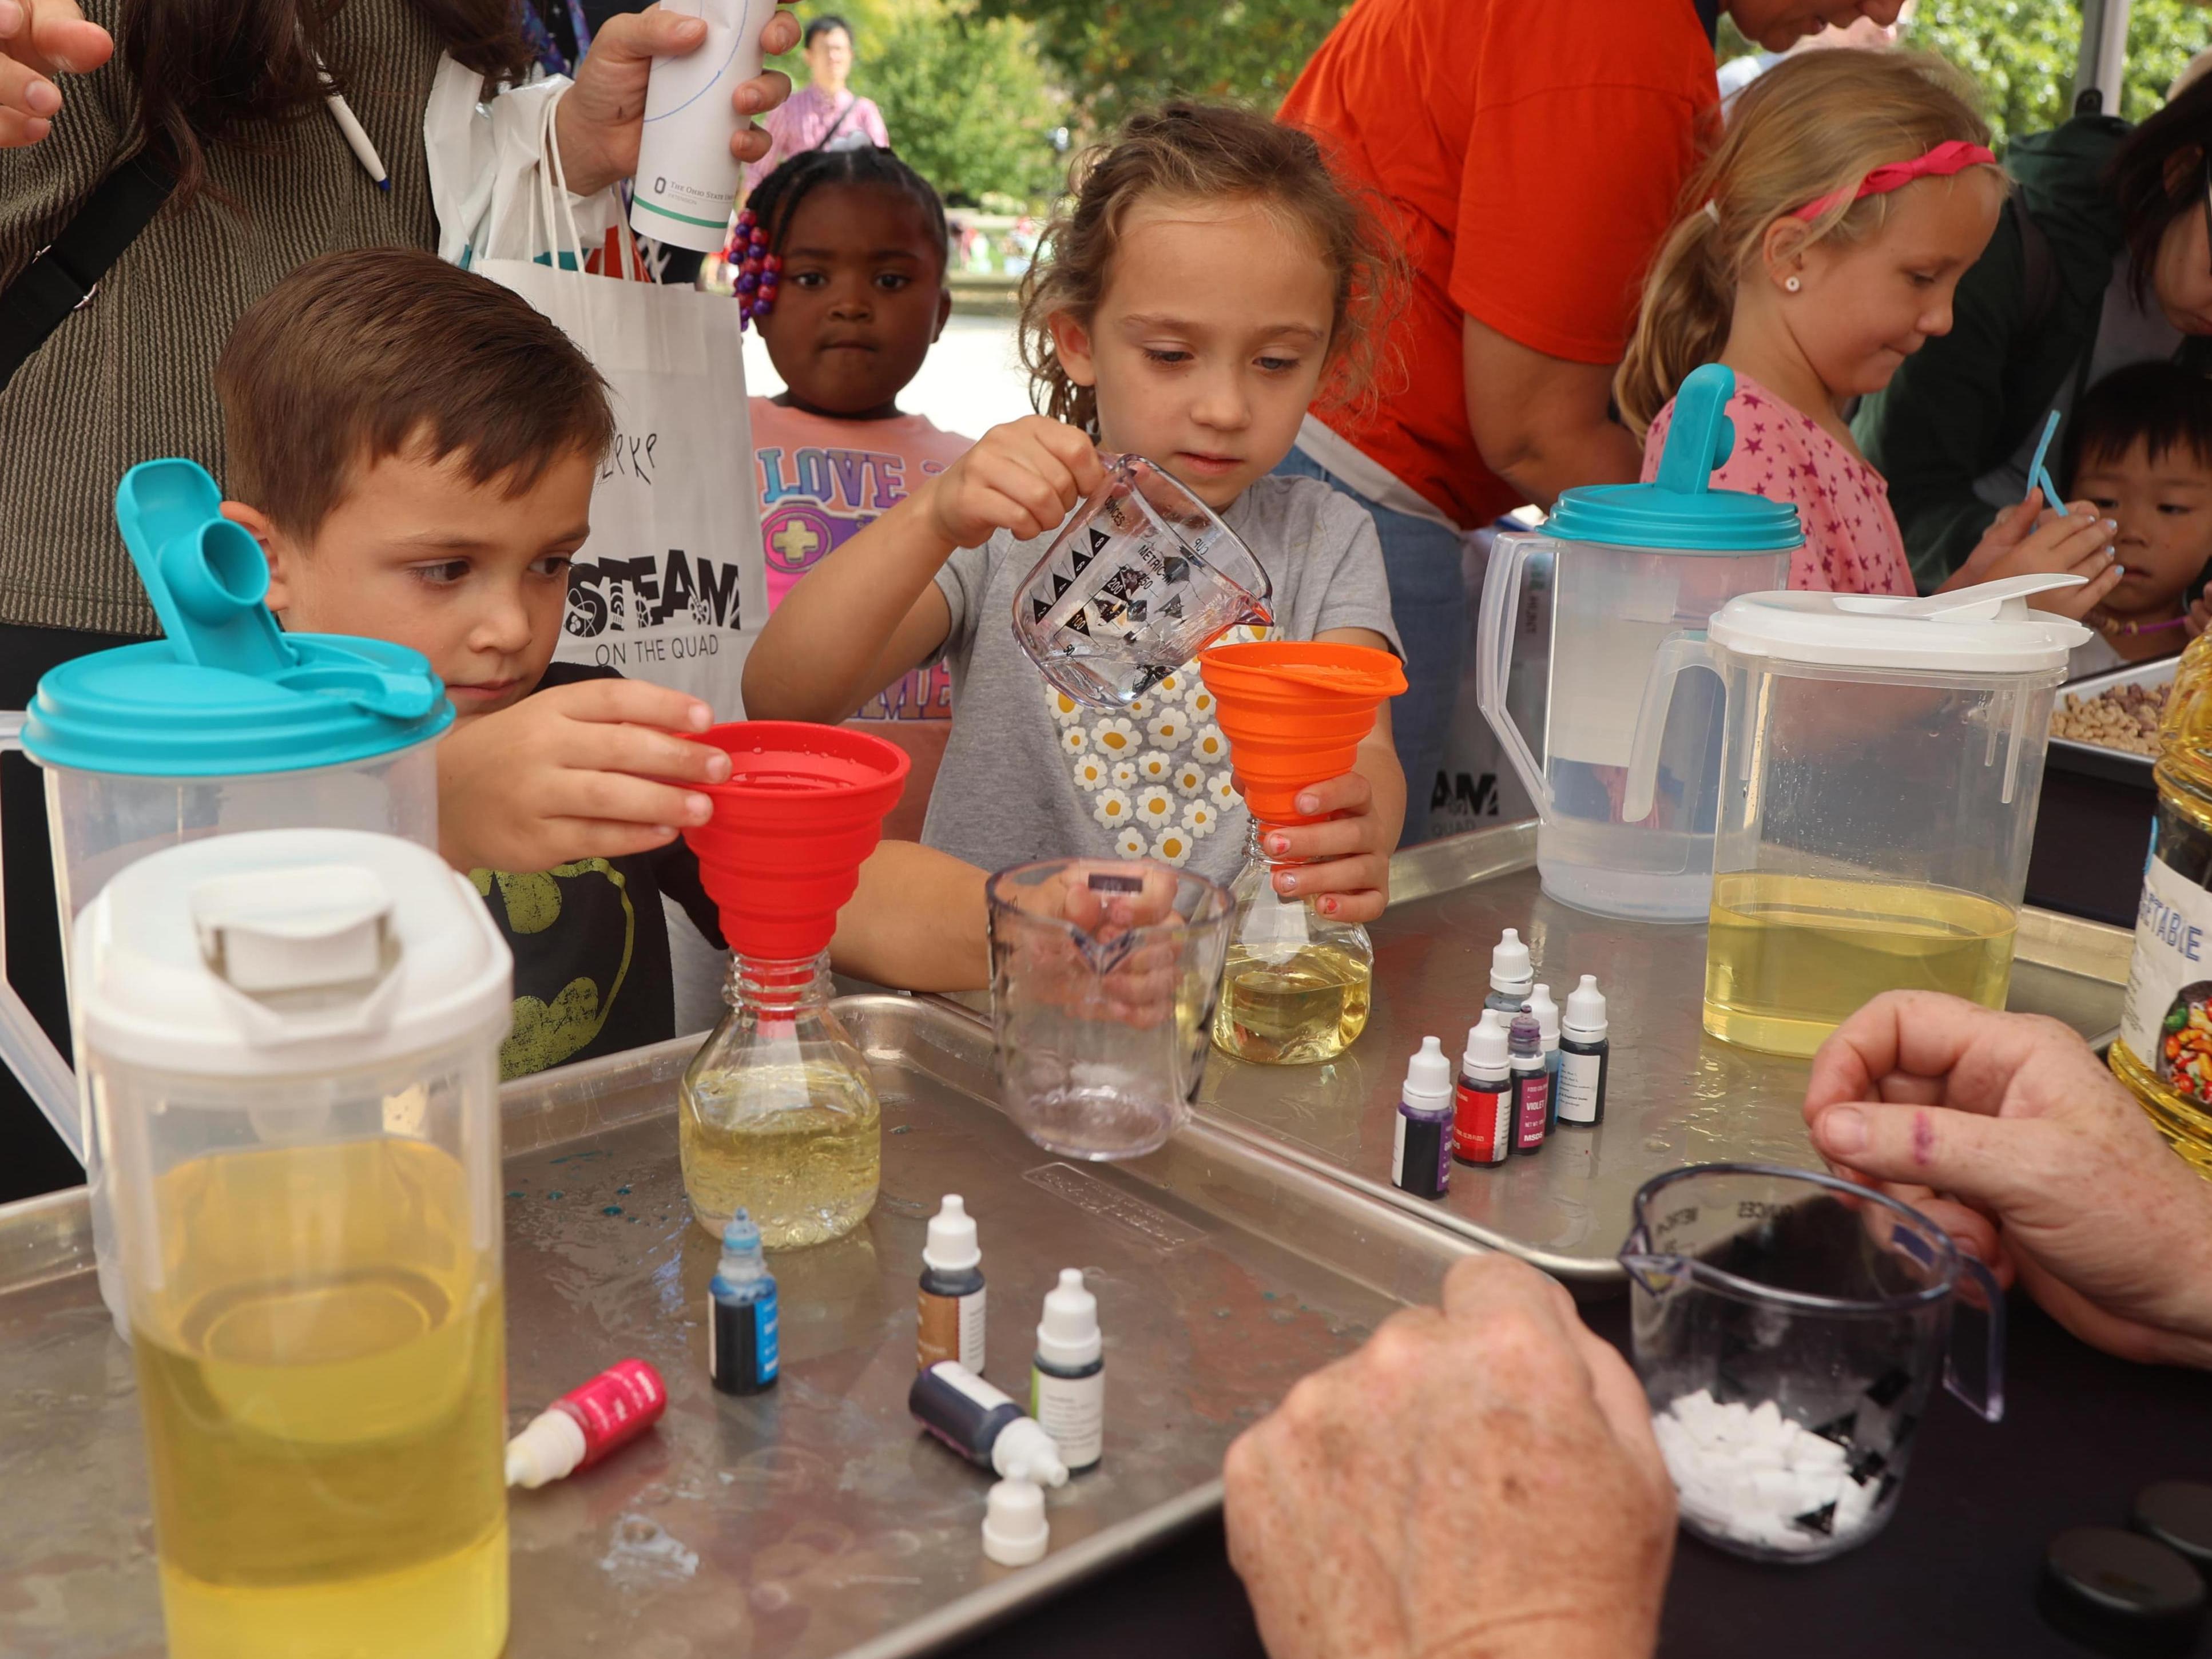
[589, 770]
[2027, 541]
[2197, 619]
[1348, 862]
[1024, 477]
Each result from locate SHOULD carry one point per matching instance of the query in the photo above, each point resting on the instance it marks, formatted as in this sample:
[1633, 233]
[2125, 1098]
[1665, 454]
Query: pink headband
[1953, 156]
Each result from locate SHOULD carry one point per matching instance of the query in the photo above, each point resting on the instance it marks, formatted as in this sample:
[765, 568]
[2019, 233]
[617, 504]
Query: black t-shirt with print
[592, 973]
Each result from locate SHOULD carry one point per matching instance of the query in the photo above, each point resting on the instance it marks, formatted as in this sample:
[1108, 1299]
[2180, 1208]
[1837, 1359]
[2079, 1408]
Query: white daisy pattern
[1221, 789]
[1139, 708]
[1209, 745]
[1200, 704]
[1171, 689]
[1189, 778]
[1169, 728]
[1113, 808]
[1130, 843]
[1201, 817]
[1156, 805]
[1116, 737]
[1065, 708]
[1124, 775]
[1156, 770]
[1075, 741]
[1090, 772]
[1154, 766]
[1173, 846]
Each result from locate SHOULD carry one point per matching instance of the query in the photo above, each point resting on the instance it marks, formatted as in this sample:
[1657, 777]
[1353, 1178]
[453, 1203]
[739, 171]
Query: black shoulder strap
[63, 277]
[2038, 268]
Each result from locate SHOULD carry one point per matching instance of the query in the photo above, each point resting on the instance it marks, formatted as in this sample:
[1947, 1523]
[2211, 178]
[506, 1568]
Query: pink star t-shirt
[1852, 543]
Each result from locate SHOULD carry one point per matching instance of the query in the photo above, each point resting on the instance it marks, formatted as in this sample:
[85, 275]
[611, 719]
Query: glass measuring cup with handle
[1142, 579]
[1789, 1327]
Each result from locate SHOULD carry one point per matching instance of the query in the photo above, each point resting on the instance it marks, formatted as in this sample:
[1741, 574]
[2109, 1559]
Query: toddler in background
[1819, 244]
[1205, 278]
[859, 299]
[2138, 449]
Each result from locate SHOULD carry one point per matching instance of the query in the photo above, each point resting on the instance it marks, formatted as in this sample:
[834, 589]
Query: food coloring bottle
[1067, 1379]
[1510, 975]
[1531, 1083]
[741, 1325]
[586, 1424]
[1482, 1118]
[1584, 1055]
[1548, 1022]
[1420, 1158]
[983, 1425]
[949, 1307]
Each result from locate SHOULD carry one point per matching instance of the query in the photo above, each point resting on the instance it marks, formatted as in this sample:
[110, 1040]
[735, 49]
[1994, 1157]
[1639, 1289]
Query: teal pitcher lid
[1679, 511]
[227, 693]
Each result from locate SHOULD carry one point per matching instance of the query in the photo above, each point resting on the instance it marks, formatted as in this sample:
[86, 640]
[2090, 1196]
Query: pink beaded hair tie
[1955, 155]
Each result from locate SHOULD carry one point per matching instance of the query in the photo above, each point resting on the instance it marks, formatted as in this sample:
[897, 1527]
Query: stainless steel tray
[2114, 765]
[812, 1520]
[1675, 1095]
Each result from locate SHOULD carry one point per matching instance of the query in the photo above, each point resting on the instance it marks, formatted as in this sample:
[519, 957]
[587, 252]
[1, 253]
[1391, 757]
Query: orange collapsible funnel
[804, 806]
[1294, 713]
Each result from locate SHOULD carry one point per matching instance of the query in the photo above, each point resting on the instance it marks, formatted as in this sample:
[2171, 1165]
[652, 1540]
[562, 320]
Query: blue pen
[2037, 478]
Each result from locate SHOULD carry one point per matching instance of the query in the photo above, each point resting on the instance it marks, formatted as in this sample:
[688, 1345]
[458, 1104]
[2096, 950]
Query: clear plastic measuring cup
[1103, 977]
[1788, 1328]
[1142, 579]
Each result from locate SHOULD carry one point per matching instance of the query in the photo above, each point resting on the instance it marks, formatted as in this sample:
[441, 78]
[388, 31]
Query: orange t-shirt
[1534, 151]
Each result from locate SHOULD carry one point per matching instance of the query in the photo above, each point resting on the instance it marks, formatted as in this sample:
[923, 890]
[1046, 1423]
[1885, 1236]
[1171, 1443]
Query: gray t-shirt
[1029, 773]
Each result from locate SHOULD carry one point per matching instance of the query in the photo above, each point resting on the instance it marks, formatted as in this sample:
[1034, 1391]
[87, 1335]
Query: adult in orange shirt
[1533, 153]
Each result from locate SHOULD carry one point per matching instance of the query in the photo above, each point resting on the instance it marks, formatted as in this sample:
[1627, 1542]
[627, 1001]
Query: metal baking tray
[2093, 759]
[1675, 1095]
[813, 1520]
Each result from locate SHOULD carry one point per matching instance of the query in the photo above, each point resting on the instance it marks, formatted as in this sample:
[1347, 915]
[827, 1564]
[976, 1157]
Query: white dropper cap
[548, 1449]
[1068, 1333]
[1586, 1010]
[1024, 1452]
[1548, 1014]
[1489, 1044]
[1014, 1527]
[951, 1242]
[1509, 970]
[1429, 1075]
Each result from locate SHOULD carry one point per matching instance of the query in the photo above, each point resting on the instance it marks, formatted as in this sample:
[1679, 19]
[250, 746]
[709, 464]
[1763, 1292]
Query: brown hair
[362, 355]
[1813, 124]
[1212, 153]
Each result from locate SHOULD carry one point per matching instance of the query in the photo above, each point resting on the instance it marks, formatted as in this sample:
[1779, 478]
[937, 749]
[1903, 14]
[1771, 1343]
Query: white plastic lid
[1586, 1009]
[1015, 1531]
[287, 951]
[1488, 1042]
[1546, 1012]
[952, 1244]
[1024, 1452]
[1987, 629]
[551, 1446]
[1429, 1073]
[1068, 1333]
[1509, 963]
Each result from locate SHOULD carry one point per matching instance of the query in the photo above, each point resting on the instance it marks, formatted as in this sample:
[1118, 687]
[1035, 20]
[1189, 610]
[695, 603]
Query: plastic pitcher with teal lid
[1631, 565]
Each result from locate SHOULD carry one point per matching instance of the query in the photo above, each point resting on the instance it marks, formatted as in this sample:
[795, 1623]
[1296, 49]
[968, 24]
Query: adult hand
[39, 41]
[2006, 1130]
[1478, 1482]
[2026, 540]
[597, 122]
[593, 769]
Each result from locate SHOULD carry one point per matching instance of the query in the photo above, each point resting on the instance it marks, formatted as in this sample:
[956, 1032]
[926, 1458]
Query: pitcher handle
[24, 1045]
[1687, 648]
[1973, 1370]
[1494, 659]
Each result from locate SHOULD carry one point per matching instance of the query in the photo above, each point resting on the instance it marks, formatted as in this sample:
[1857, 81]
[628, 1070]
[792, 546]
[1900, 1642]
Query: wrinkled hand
[1024, 477]
[589, 770]
[597, 121]
[1478, 1482]
[1346, 871]
[40, 39]
[2026, 540]
[2005, 1130]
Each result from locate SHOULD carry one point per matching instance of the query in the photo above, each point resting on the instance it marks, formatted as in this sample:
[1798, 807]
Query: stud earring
[1793, 284]
[757, 270]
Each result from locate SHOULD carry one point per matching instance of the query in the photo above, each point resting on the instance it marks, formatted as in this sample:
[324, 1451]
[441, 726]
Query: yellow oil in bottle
[322, 1378]
[798, 1146]
[1789, 958]
[1291, 1008]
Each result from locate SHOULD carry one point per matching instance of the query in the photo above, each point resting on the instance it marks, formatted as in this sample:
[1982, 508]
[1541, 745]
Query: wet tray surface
[812, 1520]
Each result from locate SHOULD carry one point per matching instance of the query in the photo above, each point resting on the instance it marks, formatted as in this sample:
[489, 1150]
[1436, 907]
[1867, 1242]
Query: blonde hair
[1814, 124]
[1213, 153]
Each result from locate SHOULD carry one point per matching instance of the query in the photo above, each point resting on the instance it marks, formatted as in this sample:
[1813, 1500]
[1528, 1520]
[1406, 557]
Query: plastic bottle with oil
[2164, 1051]
[1296, 985]
[777, 1113]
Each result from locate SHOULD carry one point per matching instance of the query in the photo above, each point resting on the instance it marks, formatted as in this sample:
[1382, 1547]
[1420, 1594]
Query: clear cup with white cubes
[1788, 1328]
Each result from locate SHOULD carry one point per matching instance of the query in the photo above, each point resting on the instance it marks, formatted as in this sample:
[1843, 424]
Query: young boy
[414, 447]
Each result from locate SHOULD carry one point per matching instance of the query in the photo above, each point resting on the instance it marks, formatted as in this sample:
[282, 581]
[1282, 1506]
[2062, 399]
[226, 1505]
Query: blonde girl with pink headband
[1820, 244]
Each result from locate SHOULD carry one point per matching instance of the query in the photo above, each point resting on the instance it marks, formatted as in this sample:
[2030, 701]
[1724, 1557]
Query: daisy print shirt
[1852, 543]
[1030, 774]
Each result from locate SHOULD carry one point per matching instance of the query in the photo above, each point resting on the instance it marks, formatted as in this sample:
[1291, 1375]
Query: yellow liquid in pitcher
[1788, 958]
[1310, 1005]
[800, 1148]
[323, 1382]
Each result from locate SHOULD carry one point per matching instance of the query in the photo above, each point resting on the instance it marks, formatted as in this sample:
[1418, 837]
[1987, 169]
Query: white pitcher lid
[1987, 629]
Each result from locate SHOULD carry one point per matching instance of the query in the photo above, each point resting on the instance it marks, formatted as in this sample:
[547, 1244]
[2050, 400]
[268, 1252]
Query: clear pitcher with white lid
[290, 1042]
[1632, 564]
[1878, 782]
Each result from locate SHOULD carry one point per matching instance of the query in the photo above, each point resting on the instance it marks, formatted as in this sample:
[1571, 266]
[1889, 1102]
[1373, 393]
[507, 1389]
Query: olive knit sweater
[130, 376]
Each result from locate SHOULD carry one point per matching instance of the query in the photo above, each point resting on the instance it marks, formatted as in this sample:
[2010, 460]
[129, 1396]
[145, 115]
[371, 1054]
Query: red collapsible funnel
[804, 806]
[1294, 713]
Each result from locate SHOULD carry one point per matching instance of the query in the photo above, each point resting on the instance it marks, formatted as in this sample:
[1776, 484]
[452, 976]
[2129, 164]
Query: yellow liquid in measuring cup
[326, 1439]
[1789, 958]
[798, 1147]
[1291, 1009]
